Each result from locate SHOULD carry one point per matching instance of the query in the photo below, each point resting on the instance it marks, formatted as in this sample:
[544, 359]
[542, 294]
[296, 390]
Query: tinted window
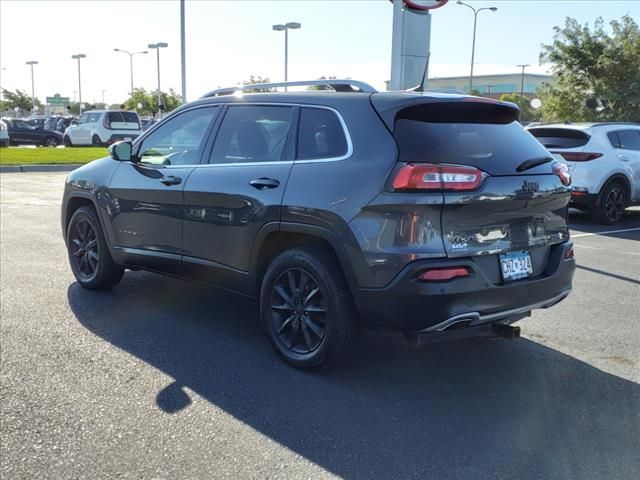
[320, 135]
[252, 134]
[560, 137]
[629, 139]
[179, 140]
[21, 124]
[613, 138]
[117, 119]
[495, 148]
[83, 118]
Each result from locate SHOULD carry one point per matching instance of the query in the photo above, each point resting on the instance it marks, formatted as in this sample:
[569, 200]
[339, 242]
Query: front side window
[83, 118]
[25, 125]
[253, 133]
[320, 135]
[629, 139]
[179, 140]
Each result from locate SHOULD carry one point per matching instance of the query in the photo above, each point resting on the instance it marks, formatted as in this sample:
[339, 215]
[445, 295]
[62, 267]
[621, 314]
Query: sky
[227, 41]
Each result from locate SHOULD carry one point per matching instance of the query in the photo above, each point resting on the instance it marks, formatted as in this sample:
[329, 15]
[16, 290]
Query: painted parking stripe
[606, 232]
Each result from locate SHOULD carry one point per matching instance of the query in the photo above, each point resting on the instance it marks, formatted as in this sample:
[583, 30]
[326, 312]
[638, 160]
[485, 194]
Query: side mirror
[121, 151]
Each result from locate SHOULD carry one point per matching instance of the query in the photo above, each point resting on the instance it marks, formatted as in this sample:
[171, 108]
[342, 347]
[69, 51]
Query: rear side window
[252, 133]
[127, 120]
[629, 139]
[495, 148]
[320, 135]
[613, 138]
[560, 137]
[93, 117]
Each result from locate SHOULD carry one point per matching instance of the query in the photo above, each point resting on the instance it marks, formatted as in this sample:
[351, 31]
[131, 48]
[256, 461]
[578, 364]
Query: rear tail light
[443, 274]
[105, 122]
[562, 171]
[426, 176]
[579, 156]
[568, 253]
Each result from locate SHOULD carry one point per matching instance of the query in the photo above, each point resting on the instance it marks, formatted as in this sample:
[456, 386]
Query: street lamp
[31, 63]
[131, 54]
[473, 45]
[157, 47]
[522, 80]
[286, 27]
[78, 57]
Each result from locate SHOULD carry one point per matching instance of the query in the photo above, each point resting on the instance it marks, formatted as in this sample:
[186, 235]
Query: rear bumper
[407, 305]
[586, 200]
[119, 137]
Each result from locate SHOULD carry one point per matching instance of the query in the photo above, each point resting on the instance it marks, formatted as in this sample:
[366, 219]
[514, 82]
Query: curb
[39, 168]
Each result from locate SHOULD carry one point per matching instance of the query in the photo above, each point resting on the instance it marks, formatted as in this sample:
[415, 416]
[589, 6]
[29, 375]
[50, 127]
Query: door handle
[624, 158]
[171, 180]
[262, 183]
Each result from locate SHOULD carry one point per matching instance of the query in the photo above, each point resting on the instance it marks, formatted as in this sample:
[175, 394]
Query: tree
[256, 79]
[149, 101]
[322, 87]
[593, 64]
[20, 99]
[527, 112]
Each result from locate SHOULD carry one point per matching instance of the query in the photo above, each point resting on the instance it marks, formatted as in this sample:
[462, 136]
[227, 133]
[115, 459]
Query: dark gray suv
[423, 213]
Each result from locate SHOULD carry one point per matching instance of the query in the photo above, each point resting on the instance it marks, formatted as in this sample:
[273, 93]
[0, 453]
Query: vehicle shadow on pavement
[466, 410]
[581, 222]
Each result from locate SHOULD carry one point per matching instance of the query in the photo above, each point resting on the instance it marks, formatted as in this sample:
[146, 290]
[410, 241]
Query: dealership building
[493, 85]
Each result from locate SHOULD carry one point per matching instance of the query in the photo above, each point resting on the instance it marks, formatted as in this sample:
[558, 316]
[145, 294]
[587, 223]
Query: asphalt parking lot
[161, 379]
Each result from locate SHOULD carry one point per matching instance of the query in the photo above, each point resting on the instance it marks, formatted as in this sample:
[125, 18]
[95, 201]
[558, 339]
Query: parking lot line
[605, 232]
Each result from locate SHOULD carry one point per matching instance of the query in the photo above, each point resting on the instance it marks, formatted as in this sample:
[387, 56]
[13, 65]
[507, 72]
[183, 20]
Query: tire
[611, 203]
[312, 334]
[50, 142]
[89, 256]
[95, 141]
[67, 142]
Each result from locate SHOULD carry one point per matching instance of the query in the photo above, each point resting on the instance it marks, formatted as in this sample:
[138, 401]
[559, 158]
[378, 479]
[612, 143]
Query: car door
[238, 191]
[77, 132]
[145, 197]
[628, 151]
[24, 133]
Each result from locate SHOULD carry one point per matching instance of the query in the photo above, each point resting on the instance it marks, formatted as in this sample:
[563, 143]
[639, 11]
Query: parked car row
[24, 132]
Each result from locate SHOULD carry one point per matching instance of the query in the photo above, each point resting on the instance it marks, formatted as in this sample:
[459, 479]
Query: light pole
[522, 80]
[157, 47]
[286, 27]
[183, 54]
[31, 63]
[131, 54]
[79, 56]
[473, 45]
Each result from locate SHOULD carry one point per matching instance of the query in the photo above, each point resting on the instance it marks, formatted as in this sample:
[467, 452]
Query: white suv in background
[604, 161]
[103, 127]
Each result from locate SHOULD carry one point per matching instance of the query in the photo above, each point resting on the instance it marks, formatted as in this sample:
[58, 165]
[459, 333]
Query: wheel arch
[275, 238]
[620, 177]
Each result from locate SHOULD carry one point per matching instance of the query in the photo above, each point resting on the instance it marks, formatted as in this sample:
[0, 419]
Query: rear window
[320, 135]
[119, 119]
[496, 148]
[560, 137]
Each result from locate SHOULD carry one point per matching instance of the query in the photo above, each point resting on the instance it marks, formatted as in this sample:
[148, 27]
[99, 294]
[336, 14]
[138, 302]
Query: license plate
[127, 139]
[515, 265]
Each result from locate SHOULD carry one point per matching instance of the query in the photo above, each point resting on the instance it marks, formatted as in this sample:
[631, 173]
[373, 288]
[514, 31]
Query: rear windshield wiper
[533, 162]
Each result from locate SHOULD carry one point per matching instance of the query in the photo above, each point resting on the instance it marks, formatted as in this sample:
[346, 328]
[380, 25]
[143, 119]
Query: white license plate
[127, 139]
[515, 265]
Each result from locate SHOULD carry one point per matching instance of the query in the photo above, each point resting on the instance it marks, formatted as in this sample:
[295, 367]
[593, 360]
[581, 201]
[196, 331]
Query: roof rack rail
[337, 85]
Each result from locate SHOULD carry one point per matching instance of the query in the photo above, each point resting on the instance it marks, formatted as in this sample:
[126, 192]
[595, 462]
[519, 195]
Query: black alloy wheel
[611, 204]
[84, 249]
[298, 311]
[89, 255]
[51, 142]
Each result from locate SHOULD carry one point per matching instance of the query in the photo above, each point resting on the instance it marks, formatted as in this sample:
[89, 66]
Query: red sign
[424, 4]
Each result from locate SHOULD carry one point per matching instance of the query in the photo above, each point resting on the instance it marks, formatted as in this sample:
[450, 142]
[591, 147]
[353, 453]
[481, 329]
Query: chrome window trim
[345, 129]
[347, 136]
